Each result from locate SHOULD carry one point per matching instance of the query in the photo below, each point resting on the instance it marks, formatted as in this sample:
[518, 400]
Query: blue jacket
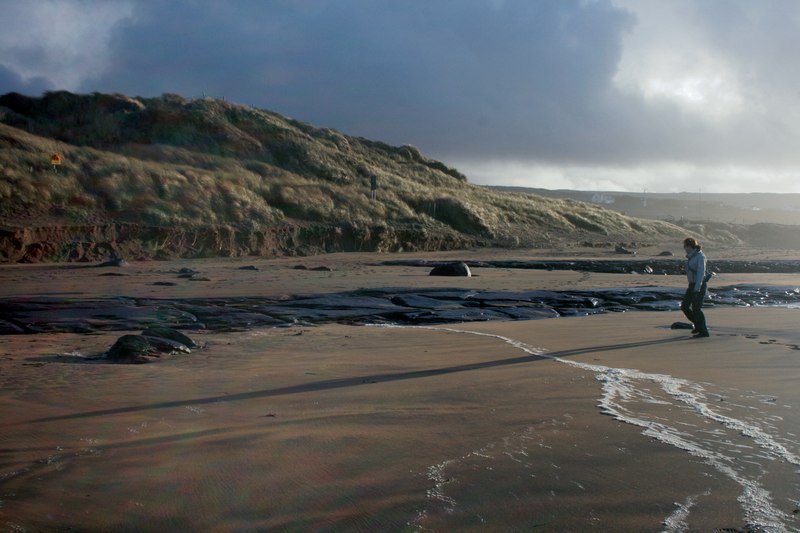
[696, 268]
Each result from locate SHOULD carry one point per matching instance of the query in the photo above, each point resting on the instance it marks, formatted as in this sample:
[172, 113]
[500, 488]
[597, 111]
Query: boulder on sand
[452, 269]
[131, 349]
[153, 342]
[624, 251]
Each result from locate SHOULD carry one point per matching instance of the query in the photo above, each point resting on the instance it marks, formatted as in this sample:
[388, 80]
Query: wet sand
[607, 422]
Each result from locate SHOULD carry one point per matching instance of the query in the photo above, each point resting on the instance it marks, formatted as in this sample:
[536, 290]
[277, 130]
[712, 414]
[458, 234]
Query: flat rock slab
[622, 266]
[433, 306]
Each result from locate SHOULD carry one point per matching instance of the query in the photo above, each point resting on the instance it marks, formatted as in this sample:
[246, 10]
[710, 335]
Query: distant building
[602, 198]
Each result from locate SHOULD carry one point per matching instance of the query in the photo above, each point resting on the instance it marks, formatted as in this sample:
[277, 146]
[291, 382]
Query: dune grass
[174, 162]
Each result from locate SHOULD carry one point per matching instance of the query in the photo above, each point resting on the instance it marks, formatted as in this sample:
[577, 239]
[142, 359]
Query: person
[373, 187]
[692, 304]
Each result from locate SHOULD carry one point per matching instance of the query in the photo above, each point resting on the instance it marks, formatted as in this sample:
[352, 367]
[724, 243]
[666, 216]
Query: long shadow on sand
[357, 381]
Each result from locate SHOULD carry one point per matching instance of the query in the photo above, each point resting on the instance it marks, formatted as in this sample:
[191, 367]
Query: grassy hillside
[733, 208]
[157, 166]
[758, 220]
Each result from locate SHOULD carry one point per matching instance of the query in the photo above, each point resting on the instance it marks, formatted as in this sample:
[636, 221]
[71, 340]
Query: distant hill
[769, 220]
[735, 208]
[169, 177]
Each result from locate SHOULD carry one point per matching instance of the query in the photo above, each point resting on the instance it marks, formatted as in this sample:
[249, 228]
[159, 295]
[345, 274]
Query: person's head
[690, 243]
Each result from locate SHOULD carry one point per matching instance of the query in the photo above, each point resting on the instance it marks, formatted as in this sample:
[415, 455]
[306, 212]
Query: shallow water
[739, 433]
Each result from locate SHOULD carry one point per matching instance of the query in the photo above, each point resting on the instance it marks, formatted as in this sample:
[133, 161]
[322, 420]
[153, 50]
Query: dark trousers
[692, 307]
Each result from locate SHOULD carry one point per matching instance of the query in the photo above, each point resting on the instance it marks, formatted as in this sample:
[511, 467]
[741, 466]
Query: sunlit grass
[206, 162]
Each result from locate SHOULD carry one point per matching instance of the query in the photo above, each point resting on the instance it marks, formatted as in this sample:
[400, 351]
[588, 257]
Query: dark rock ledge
[400, 306]
[622, 266]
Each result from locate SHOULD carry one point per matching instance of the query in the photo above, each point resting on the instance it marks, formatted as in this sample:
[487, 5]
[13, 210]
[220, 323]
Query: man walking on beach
[692, 304]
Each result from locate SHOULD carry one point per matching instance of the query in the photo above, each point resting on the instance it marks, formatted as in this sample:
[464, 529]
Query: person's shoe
[695, 331]
[701, 334]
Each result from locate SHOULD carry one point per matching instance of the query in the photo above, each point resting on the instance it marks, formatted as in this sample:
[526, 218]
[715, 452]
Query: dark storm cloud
[502, 79]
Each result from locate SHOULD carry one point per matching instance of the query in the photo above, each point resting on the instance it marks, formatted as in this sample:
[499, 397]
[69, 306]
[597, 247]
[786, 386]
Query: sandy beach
[610, 422]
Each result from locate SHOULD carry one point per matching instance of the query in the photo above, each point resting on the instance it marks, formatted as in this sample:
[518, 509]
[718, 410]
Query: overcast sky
[655, 95]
